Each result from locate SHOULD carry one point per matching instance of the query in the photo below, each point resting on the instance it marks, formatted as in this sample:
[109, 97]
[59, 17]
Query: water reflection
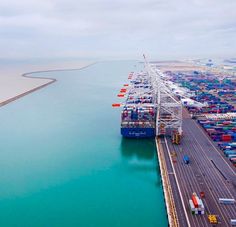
[140, 156]
[142, 149]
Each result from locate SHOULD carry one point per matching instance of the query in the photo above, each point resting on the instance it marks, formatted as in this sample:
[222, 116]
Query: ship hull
[138, 132]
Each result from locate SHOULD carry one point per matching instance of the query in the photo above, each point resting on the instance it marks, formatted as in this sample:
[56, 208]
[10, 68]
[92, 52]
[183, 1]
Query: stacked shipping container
[220, 96]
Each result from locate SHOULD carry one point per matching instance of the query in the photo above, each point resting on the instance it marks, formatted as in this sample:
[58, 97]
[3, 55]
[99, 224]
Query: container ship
[138, 116]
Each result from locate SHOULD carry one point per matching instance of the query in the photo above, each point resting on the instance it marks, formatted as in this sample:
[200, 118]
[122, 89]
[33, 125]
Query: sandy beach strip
[18, 81]
[179, 66]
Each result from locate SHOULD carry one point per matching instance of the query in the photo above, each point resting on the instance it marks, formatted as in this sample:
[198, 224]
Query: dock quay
[169, 184]
[208, 172]
[191, 115]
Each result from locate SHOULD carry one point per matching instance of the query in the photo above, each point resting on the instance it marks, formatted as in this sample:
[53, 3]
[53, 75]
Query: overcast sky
[117, 28]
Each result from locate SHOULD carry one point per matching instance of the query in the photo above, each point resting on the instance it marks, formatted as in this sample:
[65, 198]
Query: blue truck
[186, 159]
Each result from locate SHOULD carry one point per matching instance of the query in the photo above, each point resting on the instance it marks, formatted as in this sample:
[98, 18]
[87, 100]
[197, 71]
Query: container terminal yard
[190, 110]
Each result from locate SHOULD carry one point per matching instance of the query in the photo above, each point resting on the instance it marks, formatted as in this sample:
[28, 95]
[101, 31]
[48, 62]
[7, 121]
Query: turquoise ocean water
[64, 163]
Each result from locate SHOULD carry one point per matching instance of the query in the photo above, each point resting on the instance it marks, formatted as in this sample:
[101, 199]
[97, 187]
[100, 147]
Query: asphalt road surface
[209, 171]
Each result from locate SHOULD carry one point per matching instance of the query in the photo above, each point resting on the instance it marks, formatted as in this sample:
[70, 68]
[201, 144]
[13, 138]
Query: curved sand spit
[14, 84]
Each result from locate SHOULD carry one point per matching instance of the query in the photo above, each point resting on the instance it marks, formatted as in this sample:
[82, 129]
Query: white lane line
[180, 193]
[206, 182]
[192, 171]
[220, 191]
[216, 171]
[188, 174]
[214, 147]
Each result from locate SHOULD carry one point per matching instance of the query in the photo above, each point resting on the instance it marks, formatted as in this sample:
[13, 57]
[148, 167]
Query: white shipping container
[191, 205]
[201, 204]
[233, 222]
[226, 201]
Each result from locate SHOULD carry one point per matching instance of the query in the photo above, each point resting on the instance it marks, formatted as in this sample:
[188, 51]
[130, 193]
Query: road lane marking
[215, 147]
[180, 193]
[209, 188]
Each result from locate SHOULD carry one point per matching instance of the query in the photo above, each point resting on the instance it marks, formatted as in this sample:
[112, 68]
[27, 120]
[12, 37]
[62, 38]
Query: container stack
[196, 205]
[214, 104]
[219, 94]
[228, 95]
[220, 130]
[224, 133]
[229, 150]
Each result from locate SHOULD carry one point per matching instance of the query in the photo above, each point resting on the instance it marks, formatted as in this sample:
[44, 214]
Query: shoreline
[50, 81]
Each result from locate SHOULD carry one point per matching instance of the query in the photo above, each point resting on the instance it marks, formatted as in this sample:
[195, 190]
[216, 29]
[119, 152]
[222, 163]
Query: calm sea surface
[64, 163]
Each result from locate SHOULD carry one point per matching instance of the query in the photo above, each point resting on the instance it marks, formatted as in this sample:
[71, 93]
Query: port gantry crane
[169, 109]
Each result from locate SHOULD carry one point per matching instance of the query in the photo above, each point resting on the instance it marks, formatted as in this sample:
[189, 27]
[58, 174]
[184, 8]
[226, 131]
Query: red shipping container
[226, 138]
[194, 201]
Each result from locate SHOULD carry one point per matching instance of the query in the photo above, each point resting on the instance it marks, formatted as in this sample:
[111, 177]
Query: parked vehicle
[186, 159]
[213, 219]
[196, 205]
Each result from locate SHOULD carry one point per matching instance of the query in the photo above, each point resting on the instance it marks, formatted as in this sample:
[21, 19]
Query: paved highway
[181, 212]
[208, 171]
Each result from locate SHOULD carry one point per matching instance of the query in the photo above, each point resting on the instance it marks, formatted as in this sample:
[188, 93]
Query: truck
[186, 159]
[213, 219]
[176, 137]
[196, 205]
